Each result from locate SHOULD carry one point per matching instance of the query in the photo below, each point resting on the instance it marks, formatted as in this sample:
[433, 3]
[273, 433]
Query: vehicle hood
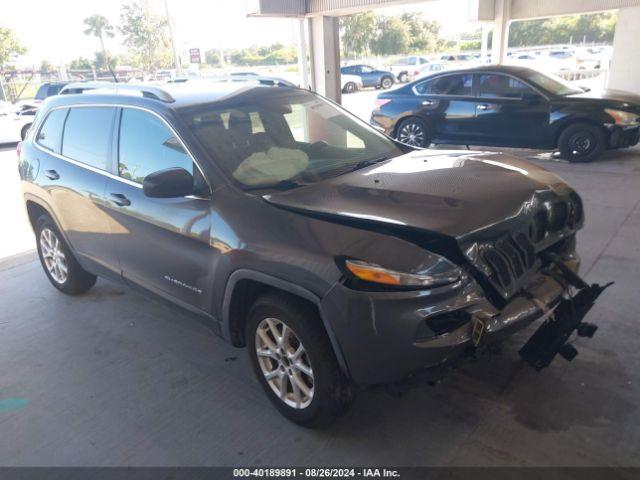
[619, 98]
[454, 193]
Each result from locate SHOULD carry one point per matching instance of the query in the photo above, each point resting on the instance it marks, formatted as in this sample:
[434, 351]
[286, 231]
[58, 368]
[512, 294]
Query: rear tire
[25, 130]
[413, 132]
[315, 391]
[581, 142]
[403, 77]
[62, 269]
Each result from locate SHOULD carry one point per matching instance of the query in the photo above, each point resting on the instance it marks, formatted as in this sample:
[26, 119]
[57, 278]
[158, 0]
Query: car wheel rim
[284, 363]
[581, 144]
[386, 83]
[54, 258]
[412, 134]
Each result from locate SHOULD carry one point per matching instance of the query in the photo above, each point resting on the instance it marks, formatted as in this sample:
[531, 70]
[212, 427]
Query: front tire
[581, 142]
[62, 269]
[350, 87]
[413, 132]
[294, 362]
[386, 83]
[403, 77]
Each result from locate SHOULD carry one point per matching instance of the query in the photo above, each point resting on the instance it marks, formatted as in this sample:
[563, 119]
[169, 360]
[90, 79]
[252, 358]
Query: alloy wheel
[412, 134]
[54, 258]
[284, 363]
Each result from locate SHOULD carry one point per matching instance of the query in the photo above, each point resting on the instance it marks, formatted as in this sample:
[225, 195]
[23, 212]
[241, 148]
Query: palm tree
[99, 26]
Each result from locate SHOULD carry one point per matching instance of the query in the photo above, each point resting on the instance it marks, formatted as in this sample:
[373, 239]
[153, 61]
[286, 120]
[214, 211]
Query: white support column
[500, 40]
[484, 44]
[625, 69]
[324, 44]
[303, 66]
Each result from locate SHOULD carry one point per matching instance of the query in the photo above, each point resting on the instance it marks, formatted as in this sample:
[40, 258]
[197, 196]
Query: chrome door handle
[120, 200]
[51, 174]
[427, 103]
[484, 106]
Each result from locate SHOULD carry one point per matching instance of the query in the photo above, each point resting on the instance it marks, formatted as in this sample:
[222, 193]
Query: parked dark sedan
[511, 107]
[370, 76]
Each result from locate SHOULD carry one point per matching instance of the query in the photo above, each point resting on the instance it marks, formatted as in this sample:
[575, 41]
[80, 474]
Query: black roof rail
[148, 91]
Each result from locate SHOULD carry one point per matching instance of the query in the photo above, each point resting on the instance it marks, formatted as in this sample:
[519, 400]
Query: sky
[53, 30]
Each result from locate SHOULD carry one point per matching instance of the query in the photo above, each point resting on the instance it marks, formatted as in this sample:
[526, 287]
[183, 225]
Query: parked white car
[15, 120]
[407, 69]
[350, 83]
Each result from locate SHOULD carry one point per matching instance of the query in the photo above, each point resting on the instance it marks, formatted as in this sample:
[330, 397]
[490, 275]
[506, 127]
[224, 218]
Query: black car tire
[77, 280]
[581, 142]
[418, 128]
[386, 82]
[350, 87]
[403, 77]
[25, 130]
[332, 392]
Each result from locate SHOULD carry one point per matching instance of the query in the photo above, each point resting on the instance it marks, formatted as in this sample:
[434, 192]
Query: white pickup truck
[407, 69]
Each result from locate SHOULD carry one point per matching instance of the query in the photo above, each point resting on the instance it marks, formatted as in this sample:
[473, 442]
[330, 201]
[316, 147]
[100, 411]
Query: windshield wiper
[363, 164]
[281, 185]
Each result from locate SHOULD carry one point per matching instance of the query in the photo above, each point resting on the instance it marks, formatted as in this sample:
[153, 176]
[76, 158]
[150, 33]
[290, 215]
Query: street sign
[194, 55]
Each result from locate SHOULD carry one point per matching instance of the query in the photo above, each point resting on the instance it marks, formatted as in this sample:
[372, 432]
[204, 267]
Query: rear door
[509, 112]
[162, 243]
[449, 106]
[74, 147]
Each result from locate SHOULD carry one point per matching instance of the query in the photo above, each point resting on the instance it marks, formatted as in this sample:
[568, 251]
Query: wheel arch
[245, 286]
[573, 121]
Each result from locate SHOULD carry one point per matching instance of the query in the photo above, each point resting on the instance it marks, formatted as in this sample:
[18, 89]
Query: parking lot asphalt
[112, 378]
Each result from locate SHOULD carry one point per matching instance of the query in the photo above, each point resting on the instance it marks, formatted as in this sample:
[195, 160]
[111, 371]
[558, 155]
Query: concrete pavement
[114, 378]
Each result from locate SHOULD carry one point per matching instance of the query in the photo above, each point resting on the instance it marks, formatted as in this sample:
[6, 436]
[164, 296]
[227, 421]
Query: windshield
[550, 83]
[281, 137]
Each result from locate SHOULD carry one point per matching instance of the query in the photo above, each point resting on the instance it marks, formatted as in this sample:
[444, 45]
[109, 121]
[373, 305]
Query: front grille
[509, 259]
[558, 216]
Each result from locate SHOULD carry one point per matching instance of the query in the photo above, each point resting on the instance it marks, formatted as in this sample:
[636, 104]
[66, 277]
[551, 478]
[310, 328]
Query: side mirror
[169, 183]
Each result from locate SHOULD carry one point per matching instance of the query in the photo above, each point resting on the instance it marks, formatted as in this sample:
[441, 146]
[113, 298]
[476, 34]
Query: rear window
[87, 135]
[50, 134]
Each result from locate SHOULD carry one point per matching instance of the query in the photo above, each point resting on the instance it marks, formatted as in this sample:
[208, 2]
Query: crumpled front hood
[455, 193]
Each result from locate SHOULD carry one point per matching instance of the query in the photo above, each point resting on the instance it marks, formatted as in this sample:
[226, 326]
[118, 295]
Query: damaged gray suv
[335, 255]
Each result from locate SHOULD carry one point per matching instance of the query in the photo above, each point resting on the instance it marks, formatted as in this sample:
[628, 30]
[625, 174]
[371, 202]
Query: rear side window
[452, 85]
[50, 134]
[87, 135]
[41, 94]
[501, 86]
[147, 146]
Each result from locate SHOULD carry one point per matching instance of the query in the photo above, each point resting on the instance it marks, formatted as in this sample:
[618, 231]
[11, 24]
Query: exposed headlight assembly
[370, 272]
[623, 118]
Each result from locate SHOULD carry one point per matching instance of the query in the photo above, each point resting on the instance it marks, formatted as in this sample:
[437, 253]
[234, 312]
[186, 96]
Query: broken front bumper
[385, 336]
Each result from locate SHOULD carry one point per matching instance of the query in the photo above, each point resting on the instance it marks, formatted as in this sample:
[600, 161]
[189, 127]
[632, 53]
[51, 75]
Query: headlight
[623, 118]
[373, 273]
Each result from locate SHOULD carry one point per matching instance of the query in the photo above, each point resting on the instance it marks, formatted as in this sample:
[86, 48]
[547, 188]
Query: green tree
[212, 57]
[10, 46]
[99, 27]
[99, 62]
[145, 35]
[393, 37]
[423, 34]
[357, 33]
[81, 63]
[46, 67]
[597, 27]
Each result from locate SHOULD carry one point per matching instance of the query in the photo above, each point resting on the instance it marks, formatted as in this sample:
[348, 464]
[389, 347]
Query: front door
[162, 243]
[509, 112]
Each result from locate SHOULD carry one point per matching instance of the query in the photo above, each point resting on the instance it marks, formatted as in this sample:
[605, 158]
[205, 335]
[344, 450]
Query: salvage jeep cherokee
[337, 256]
